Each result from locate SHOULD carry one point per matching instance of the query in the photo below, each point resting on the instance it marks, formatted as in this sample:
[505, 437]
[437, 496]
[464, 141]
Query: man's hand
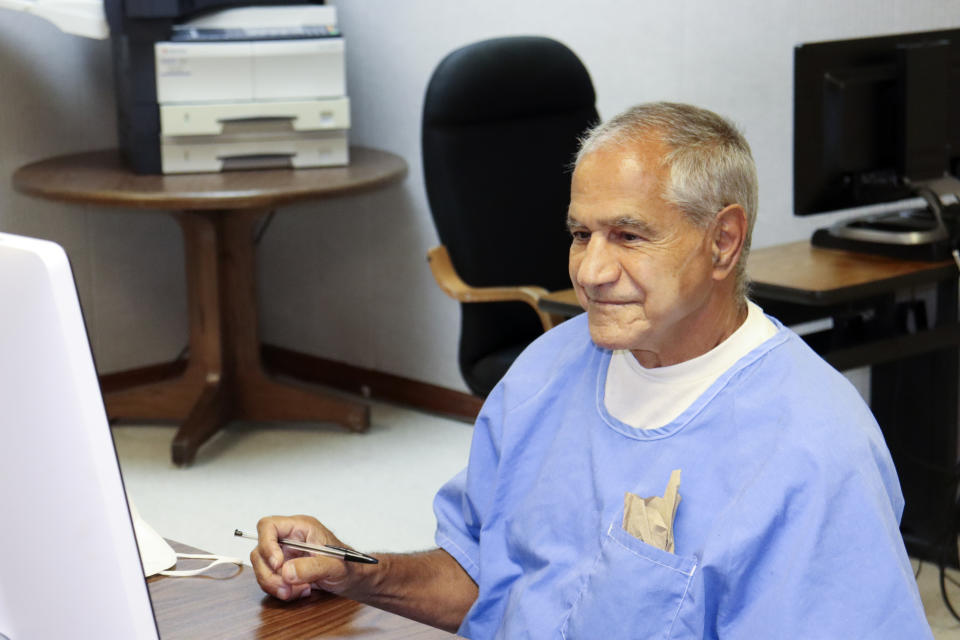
[429, 586]
[287, 573]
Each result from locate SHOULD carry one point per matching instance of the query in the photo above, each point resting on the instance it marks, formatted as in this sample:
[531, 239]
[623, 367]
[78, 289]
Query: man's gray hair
[709, 160]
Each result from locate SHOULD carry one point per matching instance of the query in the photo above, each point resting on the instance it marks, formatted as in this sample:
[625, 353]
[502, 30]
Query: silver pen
[347, 555]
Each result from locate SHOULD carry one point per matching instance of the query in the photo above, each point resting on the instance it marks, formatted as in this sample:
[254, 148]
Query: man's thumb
[313, 569]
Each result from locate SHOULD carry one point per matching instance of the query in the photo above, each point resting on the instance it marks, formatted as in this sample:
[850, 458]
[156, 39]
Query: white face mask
[186, 573]
[158, 557]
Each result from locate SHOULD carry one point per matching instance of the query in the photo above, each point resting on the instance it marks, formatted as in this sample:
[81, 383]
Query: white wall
[56, 96]
[346, 279]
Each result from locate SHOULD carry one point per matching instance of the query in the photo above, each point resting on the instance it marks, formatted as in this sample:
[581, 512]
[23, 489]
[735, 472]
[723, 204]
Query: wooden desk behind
[229, 604]
[801, 273]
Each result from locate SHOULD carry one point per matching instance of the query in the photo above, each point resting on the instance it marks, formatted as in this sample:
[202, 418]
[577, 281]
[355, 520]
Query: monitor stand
[911, 233]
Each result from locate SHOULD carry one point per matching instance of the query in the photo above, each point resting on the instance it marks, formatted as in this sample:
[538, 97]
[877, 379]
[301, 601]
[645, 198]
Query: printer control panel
[237, 34]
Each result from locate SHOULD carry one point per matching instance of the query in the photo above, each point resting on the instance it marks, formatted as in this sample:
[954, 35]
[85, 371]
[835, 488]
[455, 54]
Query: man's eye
[630, 237]
[580, 236]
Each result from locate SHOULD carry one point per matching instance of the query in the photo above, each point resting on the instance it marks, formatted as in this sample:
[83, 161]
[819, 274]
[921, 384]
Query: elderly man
[673, 464]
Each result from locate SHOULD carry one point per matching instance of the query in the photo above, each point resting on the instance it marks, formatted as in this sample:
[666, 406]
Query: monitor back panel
[70, 565]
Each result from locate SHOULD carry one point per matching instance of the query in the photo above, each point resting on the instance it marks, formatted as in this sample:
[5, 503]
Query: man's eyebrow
[623, 222]
[635, 224]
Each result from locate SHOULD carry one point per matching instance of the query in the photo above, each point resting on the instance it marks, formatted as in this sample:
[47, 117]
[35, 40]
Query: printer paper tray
[219, 118]
[215, 154]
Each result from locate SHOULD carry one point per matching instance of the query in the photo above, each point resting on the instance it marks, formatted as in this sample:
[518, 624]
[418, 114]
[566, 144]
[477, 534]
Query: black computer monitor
[875, 120]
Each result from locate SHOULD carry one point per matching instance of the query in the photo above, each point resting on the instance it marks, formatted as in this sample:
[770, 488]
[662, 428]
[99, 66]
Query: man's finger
[314, 569]
[268, 530]
[268, 579]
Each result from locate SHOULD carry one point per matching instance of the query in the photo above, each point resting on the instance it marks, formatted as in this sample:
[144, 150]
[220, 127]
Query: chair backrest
[501, 123]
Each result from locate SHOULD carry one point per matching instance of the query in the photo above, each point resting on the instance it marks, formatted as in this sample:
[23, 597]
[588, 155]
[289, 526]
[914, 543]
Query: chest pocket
[633, 591]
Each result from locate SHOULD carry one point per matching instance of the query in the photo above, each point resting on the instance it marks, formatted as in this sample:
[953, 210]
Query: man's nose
[598, 265]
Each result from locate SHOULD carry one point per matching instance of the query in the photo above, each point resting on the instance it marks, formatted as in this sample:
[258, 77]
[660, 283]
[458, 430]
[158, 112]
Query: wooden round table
[223, 379]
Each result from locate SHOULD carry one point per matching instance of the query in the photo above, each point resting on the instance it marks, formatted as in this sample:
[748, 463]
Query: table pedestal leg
[224, 378]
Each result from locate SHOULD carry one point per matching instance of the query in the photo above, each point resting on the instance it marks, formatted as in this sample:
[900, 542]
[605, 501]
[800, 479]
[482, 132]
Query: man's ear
[729, 234]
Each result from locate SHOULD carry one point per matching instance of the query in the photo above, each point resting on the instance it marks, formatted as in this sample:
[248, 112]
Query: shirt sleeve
[464, 503]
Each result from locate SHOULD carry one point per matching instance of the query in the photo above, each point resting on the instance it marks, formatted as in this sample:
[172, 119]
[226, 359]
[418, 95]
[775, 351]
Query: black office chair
[501, 120]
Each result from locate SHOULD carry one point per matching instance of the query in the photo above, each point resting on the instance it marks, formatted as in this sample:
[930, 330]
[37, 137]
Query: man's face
[641, 270]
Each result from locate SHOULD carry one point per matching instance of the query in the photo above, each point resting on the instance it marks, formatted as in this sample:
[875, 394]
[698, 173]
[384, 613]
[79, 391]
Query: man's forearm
[430, 587]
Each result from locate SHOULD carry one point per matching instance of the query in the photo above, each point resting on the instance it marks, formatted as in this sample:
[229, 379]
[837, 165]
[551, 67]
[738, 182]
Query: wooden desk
[913, 360]
[218, 213]
[798, 282]
[799, 272]
[229, 604]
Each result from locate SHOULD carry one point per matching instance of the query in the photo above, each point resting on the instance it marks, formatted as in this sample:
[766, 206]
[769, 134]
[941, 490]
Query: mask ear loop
[187, 573]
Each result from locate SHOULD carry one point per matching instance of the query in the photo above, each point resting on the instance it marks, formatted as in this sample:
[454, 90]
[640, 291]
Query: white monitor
[69, 565]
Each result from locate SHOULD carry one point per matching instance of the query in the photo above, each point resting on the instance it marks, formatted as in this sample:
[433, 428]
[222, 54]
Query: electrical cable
[943, 592]
[947, 541]
[935, 204]
[263, 228]
[953, 580]
[948, 545]
[954, 531]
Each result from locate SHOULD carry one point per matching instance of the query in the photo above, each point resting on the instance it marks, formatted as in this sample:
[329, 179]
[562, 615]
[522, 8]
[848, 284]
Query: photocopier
[214, 85]
[202, 86]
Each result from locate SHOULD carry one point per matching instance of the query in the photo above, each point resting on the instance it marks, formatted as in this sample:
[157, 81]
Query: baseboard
[118, 380]
[371, 383]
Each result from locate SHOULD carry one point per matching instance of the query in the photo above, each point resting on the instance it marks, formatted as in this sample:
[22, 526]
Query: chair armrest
[446, 276]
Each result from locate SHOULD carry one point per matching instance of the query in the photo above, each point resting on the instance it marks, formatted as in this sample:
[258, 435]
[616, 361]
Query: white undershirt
[651, 398]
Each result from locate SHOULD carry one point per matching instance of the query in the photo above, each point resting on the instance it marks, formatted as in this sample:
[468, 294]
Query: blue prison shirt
[787, 525]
